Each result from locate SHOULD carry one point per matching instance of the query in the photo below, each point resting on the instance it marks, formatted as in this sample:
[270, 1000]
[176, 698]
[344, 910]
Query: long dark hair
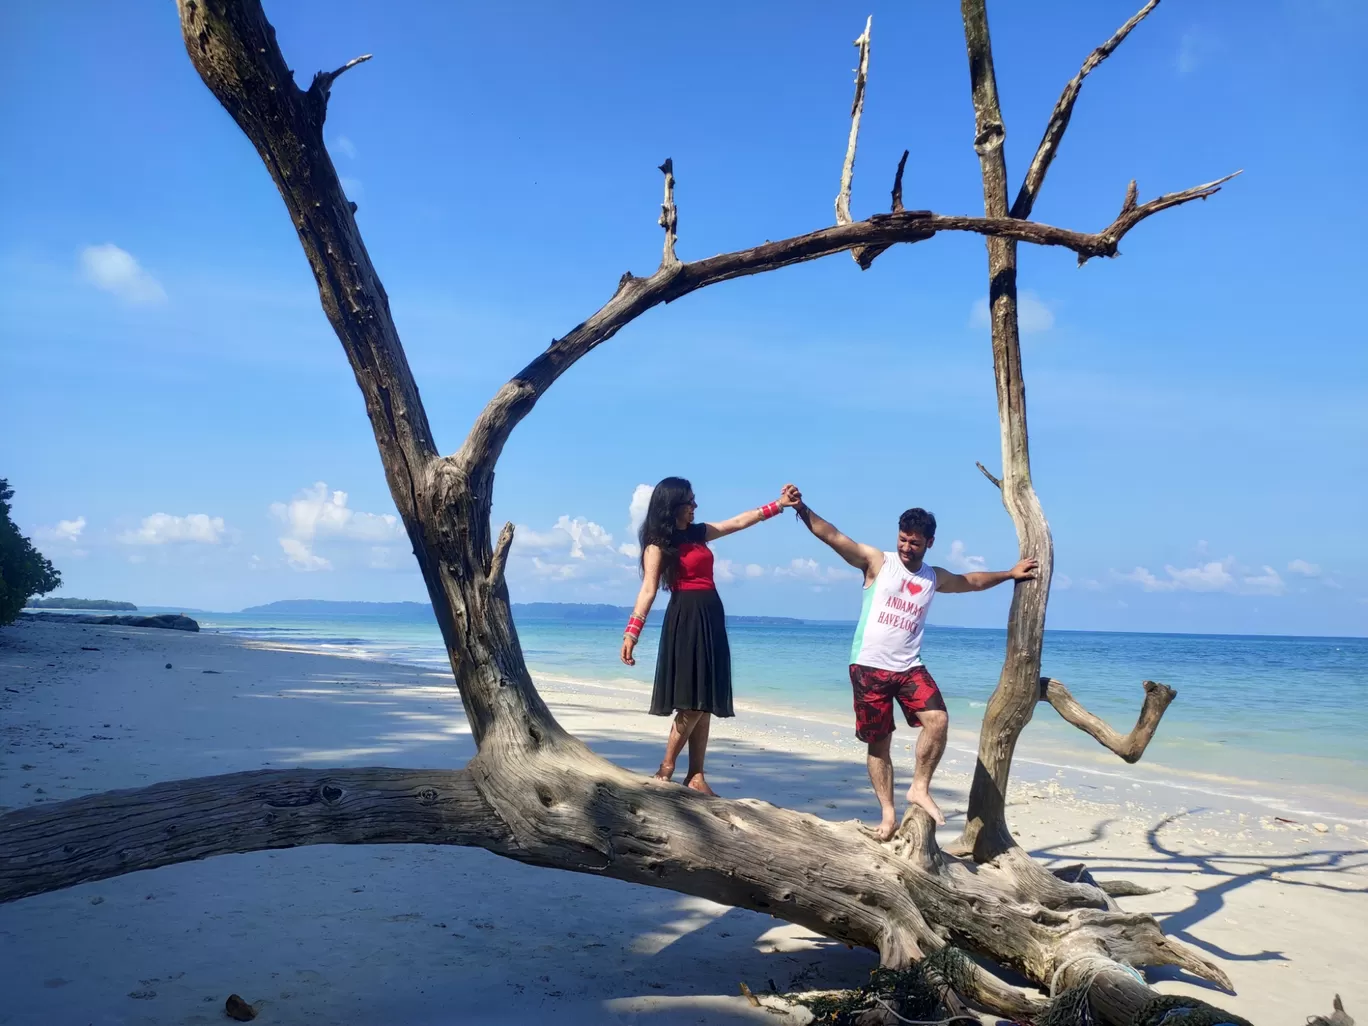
[659, 526]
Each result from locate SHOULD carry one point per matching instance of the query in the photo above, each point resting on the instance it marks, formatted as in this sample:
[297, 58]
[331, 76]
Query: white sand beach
[372, 936]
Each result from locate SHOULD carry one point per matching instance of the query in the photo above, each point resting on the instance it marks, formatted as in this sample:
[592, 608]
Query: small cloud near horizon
[118, 272]
[1305, 569]
[1214, 576]
[345, 147]
[165, 528]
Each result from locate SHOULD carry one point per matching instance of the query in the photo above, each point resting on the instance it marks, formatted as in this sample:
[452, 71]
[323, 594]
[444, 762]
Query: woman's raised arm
[788, 497]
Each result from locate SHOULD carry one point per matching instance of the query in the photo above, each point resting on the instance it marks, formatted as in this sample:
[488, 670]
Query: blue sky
[180, 417]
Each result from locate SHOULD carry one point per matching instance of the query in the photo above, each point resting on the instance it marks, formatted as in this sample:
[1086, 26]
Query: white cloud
[315, 513]
[1213, 576]
[163, 529]
[755, 570]
[630, 549]
[301, 557]
[575, 536]
[962, 563]
[1267, 583]
[724, 570]
[1305, 569]
[345, 146]
[1061, 581]
[636, 511]
[67, 532]
[811, 570]
[116, 270]
[1033, 315]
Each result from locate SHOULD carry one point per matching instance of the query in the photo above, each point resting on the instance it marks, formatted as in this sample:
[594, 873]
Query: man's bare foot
[697, 783]
[665, 773]
[923, 798]
[888, 826]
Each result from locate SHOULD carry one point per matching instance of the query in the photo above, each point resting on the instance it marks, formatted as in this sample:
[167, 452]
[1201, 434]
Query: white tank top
[889, 634]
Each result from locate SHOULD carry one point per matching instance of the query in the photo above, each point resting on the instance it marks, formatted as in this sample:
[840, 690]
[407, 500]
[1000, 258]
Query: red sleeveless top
[695, 560]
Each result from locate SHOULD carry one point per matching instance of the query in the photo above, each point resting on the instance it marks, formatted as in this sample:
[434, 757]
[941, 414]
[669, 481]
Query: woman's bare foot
[696, 782]
[917, 796]
[665, 773]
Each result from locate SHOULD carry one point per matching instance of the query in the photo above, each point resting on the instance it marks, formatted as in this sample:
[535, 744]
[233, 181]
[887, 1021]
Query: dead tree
[537, 794]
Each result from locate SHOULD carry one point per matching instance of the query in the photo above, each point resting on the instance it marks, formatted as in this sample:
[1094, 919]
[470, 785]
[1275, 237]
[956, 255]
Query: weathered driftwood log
[535, 793]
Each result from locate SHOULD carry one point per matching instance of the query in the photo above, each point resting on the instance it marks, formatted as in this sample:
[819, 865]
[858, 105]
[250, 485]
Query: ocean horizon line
[796, 620]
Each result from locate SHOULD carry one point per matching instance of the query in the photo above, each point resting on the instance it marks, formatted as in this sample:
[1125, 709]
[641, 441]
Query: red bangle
[770, 509]
[634, 625]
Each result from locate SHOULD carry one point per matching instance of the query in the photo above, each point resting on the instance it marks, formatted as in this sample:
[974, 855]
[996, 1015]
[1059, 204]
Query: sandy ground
[411, 934]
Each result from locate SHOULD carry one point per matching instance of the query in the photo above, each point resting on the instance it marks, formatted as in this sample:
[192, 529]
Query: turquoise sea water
[1254, 715]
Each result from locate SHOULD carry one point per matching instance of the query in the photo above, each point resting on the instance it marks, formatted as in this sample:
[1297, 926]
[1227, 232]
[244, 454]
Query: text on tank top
[889, 634]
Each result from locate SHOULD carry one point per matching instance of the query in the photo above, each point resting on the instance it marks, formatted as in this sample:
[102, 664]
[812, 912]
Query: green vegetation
[80, 603]
[23, 569]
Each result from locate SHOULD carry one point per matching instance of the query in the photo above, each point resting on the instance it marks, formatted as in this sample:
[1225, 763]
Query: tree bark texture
[535, 793]
[1014, 700]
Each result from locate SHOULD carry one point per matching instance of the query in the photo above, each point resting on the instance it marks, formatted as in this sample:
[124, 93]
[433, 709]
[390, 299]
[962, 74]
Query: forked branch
[1128, 746]
[1063, 111]
[634, 296]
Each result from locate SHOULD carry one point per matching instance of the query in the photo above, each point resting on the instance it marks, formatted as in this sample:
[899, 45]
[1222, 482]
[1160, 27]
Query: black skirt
[693, 669]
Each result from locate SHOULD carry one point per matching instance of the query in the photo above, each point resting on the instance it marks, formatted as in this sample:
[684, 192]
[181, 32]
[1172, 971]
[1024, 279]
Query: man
[885, 660]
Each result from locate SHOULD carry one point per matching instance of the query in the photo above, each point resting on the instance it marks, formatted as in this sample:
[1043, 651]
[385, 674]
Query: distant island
[79, 603]
[579, 612]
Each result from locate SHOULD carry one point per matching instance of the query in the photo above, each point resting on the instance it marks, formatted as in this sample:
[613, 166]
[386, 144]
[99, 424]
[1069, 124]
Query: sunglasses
[689, 504]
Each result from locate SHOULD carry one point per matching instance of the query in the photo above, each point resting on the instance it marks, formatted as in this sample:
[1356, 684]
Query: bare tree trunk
[534, 792]
[1013, 702]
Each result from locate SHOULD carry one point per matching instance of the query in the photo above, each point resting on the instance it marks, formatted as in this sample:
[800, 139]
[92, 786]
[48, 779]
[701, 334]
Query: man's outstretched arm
[982, 580]
[860, 556]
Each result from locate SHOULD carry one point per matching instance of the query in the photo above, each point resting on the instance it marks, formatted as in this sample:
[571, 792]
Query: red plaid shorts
[875, 689]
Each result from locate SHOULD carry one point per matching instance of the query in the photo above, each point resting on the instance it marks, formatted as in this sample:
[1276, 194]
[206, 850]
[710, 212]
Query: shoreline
[389, 934]
[1082, 755]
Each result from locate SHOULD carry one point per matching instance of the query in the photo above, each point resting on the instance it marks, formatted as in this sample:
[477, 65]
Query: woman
[693, 670]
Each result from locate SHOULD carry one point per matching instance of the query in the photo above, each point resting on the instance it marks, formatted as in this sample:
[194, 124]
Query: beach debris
[746, 993]
[1320, 828]
[236, 1008]
[15, 690]
[1337, 1018]
[211, 671]
[89, 648]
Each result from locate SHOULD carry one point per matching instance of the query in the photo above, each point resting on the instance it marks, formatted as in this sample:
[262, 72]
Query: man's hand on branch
[1024, 571]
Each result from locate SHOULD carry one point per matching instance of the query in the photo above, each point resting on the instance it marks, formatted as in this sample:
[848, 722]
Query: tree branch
[321, 86]
[47, 847]
[500, 556]
[1128, 746]
[897, 184]
[1063, 111]
[856, 110]
[634, 296]
[987, 474]
[669, 217]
